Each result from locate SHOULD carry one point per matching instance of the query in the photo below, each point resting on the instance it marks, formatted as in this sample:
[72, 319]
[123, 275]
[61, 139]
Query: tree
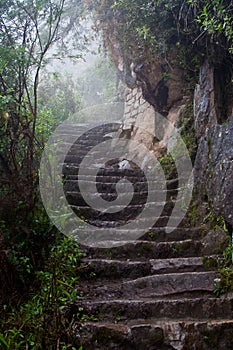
[59, 99]
[28, 30]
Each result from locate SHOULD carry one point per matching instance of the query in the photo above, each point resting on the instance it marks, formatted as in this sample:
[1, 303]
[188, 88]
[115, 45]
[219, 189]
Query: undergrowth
[224, 284]
[42, 320]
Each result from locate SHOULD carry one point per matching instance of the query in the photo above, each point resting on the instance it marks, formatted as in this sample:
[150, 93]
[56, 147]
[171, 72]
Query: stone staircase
[156, 292]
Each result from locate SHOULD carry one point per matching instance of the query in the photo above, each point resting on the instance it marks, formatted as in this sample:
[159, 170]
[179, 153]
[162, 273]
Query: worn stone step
[146, 250]
[156, 334]
[116, 203]
[122, 214]
[138, 197]
[110, 230]
[138, 187]
[208, 243]
[192, 264]
[113, 269]
[106, 173]
[159, 234]
[82, 137]
[79, 202]
[122, 218]
[76, 159]
[108, 180]
[116, 221]
[78, 143]
[111, 175]
[172, 283]
[96, 129]
[173, 309]
[117, 187]
[74, 196]
[83, 145]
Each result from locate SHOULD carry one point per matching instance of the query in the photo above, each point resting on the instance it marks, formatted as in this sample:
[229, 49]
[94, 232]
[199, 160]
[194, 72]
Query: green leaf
[3, 342]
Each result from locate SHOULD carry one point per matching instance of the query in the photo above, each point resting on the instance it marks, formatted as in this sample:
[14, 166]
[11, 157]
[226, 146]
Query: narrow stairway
[154, 292]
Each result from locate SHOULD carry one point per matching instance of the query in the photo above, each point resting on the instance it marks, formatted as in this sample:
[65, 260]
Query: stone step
[83, 127]
[76, 159]
[159, 234]
[82, 147]
[111, 174]
[106, 173]
[120, 216]
[193, 264]
[107, 178]
[125, 190]
[138, 197]
[82, 137]
[101, 181]
[156, 334]
[78, 202]
[156, 234]
[171, 285]
[74, 197]
[118, 220]
[76, 152]
[107, 181]
[144, 250]
[75, 148]
[173, 309]
[113, 269]
[110, 231]
[118, 206]
[140, 188]
[136, 200]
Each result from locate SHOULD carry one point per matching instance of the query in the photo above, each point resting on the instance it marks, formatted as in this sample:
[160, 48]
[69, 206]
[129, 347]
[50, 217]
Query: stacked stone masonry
[135, 105]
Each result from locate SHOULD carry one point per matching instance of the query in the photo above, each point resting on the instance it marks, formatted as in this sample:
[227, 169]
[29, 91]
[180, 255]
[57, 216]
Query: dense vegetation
[39, 269]
[159, 24]
[36, 281]
[193, 29]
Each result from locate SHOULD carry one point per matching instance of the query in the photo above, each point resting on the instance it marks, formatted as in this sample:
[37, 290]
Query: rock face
[213, 121]
[204, 101]
[214, 168]
[214, 160]
[157, 84]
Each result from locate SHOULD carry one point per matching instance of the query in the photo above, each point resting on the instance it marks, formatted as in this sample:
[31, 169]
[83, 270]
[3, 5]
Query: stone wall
[142, 123]
[135, 105]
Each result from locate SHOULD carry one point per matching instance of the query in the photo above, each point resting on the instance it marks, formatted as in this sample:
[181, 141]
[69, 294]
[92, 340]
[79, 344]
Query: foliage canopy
[159, 24]
[28, 31]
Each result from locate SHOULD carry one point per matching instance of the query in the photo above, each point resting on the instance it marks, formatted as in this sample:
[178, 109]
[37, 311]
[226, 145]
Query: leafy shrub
[41, 321]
